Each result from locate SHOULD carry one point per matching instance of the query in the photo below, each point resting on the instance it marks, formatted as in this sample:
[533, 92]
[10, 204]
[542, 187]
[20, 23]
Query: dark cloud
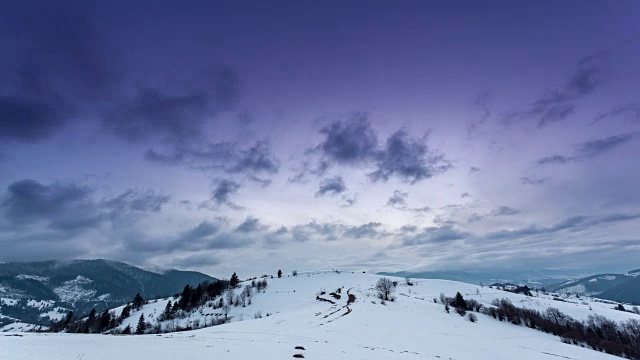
[630, 111]
[226, 157]
[473, 169]
[589, 149]
[59, 206]
[504, 211]
[142, 201]
[558, 104]
[54, 62]
[223, 190]
[27, 120]
[353, 142]
[331, 186]
[398, 200]
[531, 180]
[433, 235]
[465, 195]
[250, 225]
[70, 208]
[482, 102]
[575, 223]
[368, 230]
[408, 159]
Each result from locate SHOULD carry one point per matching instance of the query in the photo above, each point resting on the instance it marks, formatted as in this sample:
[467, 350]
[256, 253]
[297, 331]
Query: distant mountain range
[623, 288]
[38, 292]
[617, 287]
[532, 278]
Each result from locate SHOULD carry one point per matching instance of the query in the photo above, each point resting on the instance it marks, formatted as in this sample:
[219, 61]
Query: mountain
[617, 287]
[532, 278]
[38, 292]
[287, 318]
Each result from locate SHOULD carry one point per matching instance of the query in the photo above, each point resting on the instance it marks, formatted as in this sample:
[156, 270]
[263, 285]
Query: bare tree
[385, 288]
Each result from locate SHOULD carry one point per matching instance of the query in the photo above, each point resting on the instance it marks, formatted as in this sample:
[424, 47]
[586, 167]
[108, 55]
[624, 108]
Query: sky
[252, 136]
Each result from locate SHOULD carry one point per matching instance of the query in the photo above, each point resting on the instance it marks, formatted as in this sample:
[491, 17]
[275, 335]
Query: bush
[472, 317]
[385, 288]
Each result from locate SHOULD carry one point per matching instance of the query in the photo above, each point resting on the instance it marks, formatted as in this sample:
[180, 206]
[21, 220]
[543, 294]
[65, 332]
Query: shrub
[472, 317]
[385, 288]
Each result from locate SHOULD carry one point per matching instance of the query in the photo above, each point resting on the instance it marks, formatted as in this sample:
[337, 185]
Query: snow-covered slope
[412, 327]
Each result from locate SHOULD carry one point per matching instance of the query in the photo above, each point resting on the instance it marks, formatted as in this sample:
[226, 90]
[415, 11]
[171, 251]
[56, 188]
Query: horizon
[405, 136]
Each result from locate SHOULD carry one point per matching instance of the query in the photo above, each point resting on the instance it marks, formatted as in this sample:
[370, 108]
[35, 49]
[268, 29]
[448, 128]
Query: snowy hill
[411, 327]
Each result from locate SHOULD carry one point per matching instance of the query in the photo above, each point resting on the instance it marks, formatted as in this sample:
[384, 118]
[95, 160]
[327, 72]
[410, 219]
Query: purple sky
[381, 135]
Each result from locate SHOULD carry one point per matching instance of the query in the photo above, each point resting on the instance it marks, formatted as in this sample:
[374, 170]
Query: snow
[40, 304]
[576, 289]
[72, 290]
[32, 277]
[412, 327]
[9, 302]
[57, 314]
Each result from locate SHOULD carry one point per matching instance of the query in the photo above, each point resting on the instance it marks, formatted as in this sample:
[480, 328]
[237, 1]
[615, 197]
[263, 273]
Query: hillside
[38, 292]
[411, 327]
[617, 287]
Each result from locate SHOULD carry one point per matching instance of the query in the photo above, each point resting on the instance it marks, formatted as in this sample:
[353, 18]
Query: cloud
[223, 190]
[504, 211]
[473, 169]
[27, 120]
[398, 200]
[531, 180]
[557, 104]
[482, 102]
[141, 201]
[226, 157]
[589, 149]
[348, 200]
[408, 159]
[368, 230]
[250, 225]
[331, 186]
[60, 206]
[59, 63]
[353, 142]
[575, 223]
[630, 111]
[433, 235]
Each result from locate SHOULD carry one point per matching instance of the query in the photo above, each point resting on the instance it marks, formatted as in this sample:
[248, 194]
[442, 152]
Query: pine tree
[126, 312]
[138, 301]
[279, 273]
[234, 281]
[141, 325]
[185, 299]
[167, 310]
[459, 302]
[91, 319]
[127, 330]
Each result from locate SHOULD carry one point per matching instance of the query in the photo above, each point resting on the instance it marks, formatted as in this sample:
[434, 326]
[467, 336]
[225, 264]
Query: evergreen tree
[105, 319]
[185, 299]
[459, 302]
[126, 312]
[167, 310]
[69, 318]
[91, 319]
[234, 281]
[138, 301]
[141, 325]
[127, 330]
[279, 273]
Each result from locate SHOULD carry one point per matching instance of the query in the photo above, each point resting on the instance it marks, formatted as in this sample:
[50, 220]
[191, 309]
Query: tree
[472, 317]
[127, 330]
[294, 273]
[279, 273]
[385, 288]
[126, 312]
[167, 310]
[234, 281]
[459, 302]
[138, 301]
[185, 299]
[91, 319]
[142, 326]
